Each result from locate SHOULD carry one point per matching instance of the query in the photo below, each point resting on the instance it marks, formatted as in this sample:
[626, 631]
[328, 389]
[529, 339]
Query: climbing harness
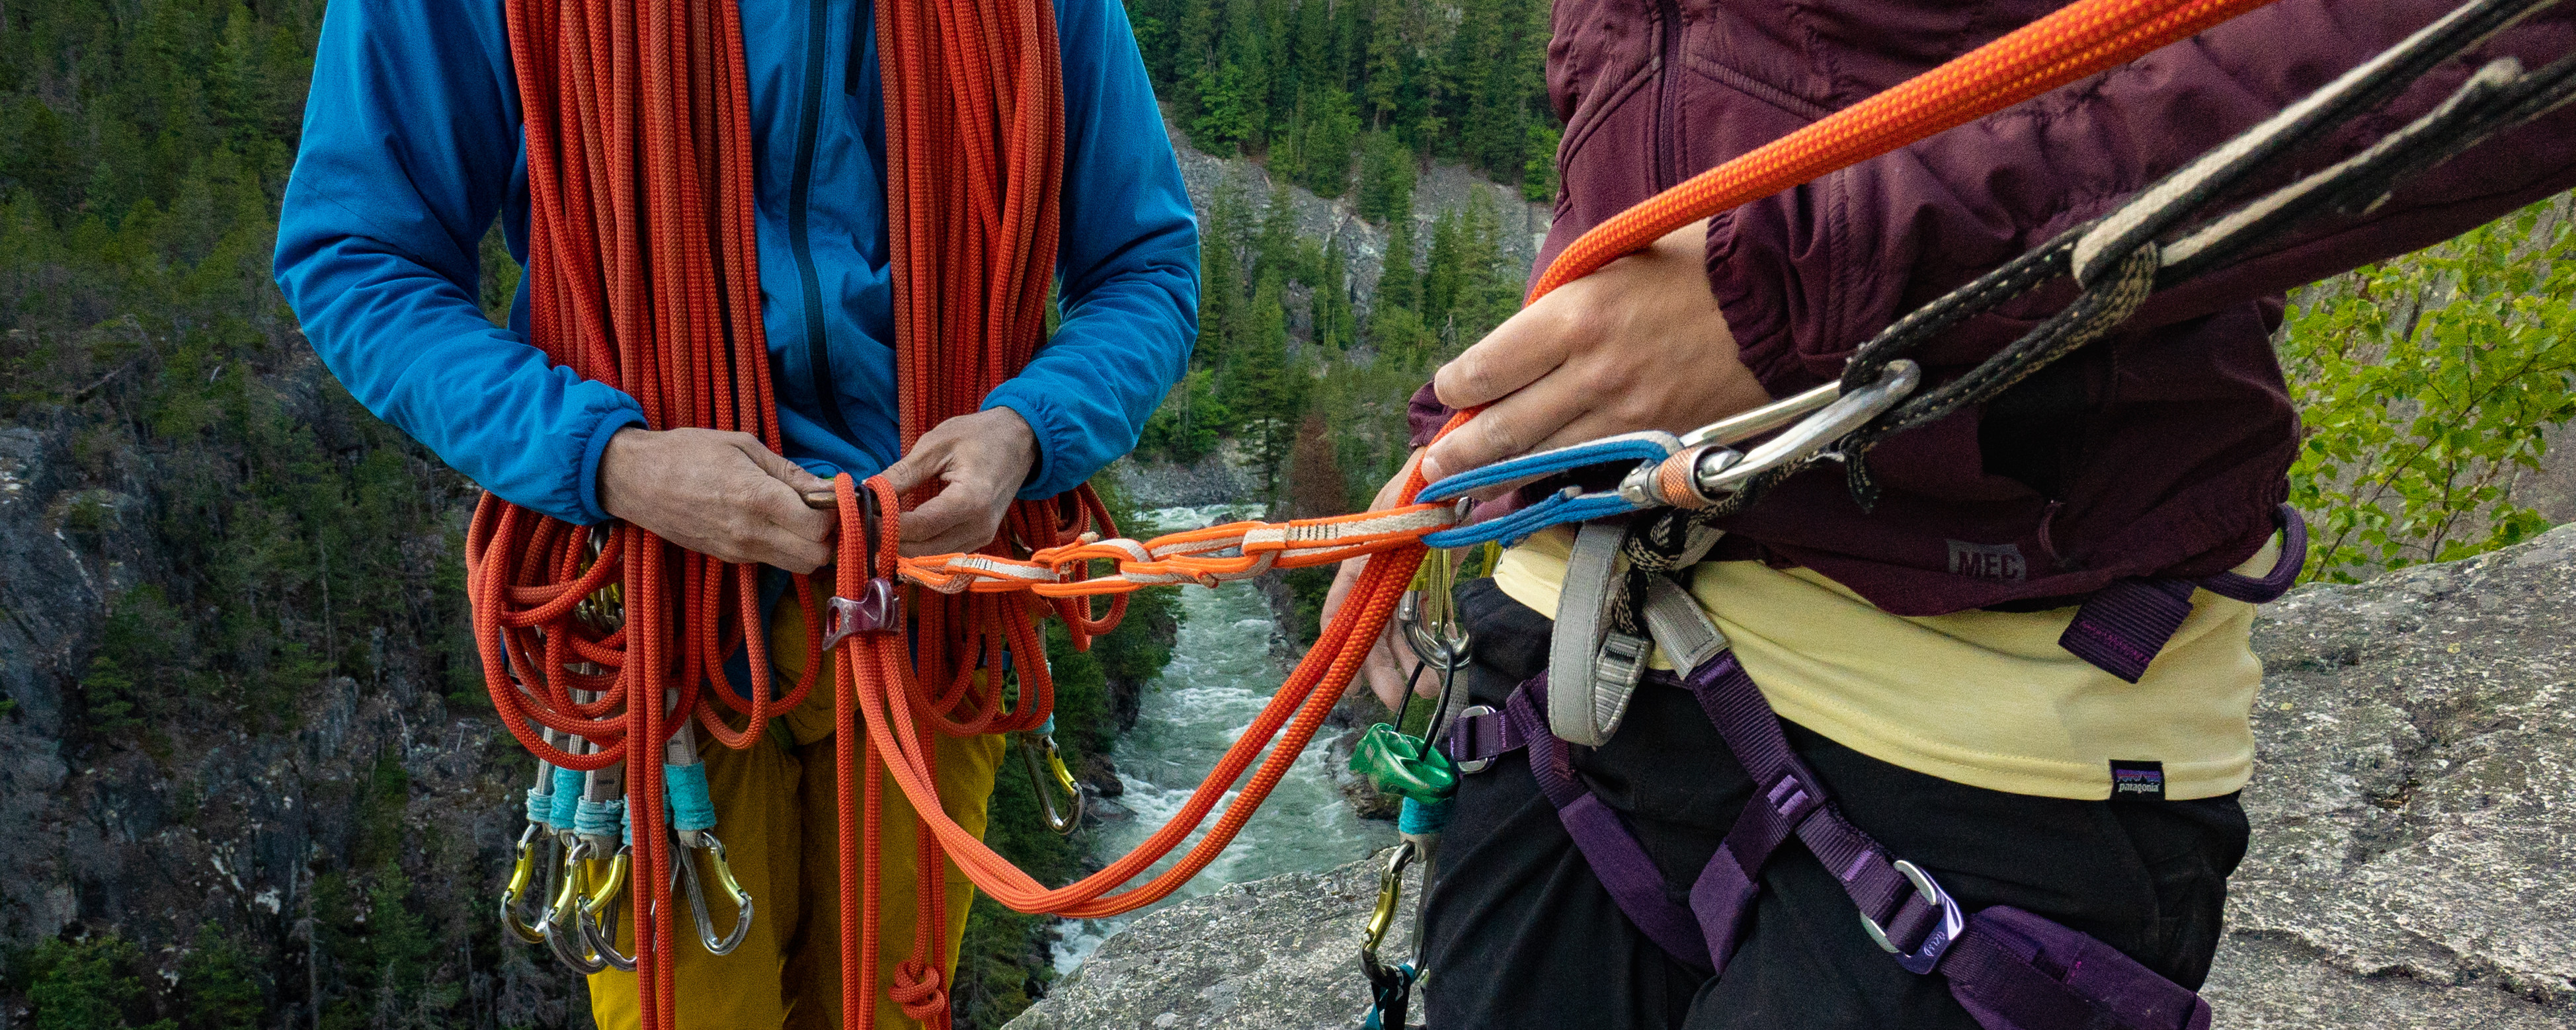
[601, 648]
[2011, 969]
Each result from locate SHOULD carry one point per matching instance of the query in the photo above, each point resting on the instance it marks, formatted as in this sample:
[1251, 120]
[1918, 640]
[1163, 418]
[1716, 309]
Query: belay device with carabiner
[1409, 767]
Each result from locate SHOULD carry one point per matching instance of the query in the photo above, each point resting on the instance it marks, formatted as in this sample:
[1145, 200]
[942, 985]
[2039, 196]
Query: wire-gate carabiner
[707, 842]
[562, 926]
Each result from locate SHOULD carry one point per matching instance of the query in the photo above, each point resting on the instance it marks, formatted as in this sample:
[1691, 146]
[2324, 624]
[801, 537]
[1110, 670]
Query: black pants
[1520, 934]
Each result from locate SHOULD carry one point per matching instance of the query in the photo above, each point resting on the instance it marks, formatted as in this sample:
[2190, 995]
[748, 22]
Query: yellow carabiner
[594, 916]
[523, 873]
[1390, 896]
[563, 919]
[1033, 746]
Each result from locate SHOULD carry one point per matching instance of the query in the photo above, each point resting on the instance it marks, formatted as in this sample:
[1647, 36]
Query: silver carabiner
[1812, 435]
[698, 895]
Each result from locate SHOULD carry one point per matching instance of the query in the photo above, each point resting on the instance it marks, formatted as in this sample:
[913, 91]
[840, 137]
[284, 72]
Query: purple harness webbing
[2010, 969]
[2123, 626]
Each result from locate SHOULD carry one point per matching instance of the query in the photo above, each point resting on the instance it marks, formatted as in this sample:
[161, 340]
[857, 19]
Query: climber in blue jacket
[412, 145]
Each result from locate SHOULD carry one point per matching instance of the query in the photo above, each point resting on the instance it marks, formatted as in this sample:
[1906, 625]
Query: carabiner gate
[689, 881]
[1038, 752]
[595, 913]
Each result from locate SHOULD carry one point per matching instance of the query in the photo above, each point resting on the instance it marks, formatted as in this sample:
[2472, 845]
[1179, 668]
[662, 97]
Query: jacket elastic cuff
[1424, 415]
[1045, 423]
[609, 423]
[1742, 274]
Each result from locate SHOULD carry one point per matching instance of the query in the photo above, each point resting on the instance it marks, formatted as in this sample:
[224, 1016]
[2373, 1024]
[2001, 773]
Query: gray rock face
[2416, 804]
[2414, 812]
[1274, 954]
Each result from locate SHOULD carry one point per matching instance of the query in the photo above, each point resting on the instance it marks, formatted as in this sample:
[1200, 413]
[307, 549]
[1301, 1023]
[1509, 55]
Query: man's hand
[723, 495]
[1639, 344]
[983, 459]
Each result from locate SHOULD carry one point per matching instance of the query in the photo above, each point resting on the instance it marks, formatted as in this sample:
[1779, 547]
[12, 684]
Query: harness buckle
[1462, 737]
[1922, 959]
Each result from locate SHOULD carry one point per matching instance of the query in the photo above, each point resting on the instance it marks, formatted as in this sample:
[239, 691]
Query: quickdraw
[667, 309]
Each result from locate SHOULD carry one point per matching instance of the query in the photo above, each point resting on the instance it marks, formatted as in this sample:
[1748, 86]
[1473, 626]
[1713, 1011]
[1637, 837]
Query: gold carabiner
[594, 915]
[523, 873]
[1031, 747]
[1390, 896]
[562, 925]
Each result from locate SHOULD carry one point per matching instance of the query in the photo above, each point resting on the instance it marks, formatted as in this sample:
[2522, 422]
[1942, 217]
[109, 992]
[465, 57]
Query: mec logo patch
[1988, 561]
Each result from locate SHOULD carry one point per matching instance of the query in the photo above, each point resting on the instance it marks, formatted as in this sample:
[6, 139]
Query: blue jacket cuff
[609, 423]
[1055, 439]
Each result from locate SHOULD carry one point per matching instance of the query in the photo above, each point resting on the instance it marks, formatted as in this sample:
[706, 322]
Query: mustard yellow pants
[775, 810]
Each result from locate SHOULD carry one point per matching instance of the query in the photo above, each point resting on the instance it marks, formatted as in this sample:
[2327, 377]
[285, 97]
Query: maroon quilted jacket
[2158, 451]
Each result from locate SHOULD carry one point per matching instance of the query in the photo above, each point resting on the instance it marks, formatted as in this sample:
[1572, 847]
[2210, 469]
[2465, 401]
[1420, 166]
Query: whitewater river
[1221, 674]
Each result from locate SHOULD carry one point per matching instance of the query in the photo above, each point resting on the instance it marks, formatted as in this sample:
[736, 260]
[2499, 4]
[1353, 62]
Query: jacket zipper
[818, 354]
[1668, 97]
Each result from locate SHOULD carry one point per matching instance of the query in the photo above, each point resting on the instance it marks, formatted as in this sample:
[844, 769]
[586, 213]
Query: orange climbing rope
[643, 275]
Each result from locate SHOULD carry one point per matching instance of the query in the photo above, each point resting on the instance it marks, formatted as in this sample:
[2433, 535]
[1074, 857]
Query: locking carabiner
[707, 842]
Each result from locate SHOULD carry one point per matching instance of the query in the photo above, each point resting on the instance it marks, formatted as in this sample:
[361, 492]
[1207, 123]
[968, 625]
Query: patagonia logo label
[2137, 781]
[1988, 561]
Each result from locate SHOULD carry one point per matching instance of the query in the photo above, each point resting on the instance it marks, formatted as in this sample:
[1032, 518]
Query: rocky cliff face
[209, 820]
[2412, 822]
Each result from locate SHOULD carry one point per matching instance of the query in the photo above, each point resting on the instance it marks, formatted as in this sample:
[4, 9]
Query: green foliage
[1386, 180]
[96, 984]
[1297, 80]
[219, 979]
[2424, 386]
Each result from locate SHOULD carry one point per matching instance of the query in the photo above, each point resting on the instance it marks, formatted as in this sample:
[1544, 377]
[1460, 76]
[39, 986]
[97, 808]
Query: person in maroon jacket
[1911, 647]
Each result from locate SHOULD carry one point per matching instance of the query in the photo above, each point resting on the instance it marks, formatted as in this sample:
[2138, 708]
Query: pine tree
[1398, 283]
[1265, 388]
[1386, 179]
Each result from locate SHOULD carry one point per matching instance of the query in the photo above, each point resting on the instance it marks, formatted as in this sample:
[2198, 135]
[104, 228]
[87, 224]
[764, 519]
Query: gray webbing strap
[1581, 707]
[1684, 633]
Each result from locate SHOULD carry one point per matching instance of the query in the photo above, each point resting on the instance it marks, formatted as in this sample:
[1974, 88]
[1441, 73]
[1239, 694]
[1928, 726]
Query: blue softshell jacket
[412, 145]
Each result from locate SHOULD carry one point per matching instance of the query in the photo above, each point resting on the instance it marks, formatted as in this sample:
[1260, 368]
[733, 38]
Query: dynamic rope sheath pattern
[643, 275]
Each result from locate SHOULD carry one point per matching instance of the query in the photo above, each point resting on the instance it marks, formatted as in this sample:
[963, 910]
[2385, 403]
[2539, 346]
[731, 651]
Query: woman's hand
[1640, 344]
[723, 495]
[1389, 660]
